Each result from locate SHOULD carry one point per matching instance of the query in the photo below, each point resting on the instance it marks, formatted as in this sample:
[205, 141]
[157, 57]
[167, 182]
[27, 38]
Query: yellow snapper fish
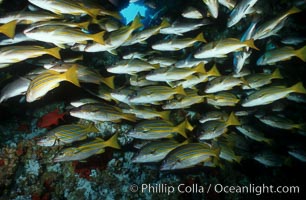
[270, 94]
[101, 112]
[163, 61]
[222, 48]
[97, 146]
[194, 79]
[177, 44]
[281, 54]
[142, 36]
[49, 80]
[179, 27]
[192, 13]
[276, 121]
[214, 129]
[66, 134]
[118, 37]
[81, 25]
[169, 74]
[85, 74]
[188, 155]
[147, 113]
[222, 99]
[255, 81]
[14, 54]
[240, 11]
[131, 67]
[253, 133]
[222, 83]
[213, 115]
[213, 7]
[156, 151]
[8, 29]
[61, 35]
[113, 39]
[190, 99]
[155, 94]
[158, 129]
[272, 26]
[61, 7]
[27, 17]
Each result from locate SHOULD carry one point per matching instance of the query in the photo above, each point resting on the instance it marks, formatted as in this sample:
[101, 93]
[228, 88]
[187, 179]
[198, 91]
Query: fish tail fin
[214, 71]
[180, 90]
[136, 23]
[238, 159]
[189, 127]
[164, 23]
[55, 52]
[109, 81]
[129, 117]
[232, 120]
[301, 53]
[200, 38]
[276, 74]
[84, 25]
[71, 75]
[98, 37]
[293, 10]
[181, 129]
[200, 68]
[113, 142]
[165, 115]
[92, 128]
[9, 29]
[250, 43]
[298, 88]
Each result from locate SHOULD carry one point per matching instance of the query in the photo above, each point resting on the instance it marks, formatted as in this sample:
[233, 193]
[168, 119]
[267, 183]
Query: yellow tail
[71, 75]
[55, 52]
[250, 43]
[109, 81]
[9, 29]
[181, 129]
[189, 127]
[200, 68]
[232, 120]
[98, 37]
[301, 53]
[200, 38]
[165, 115]
[164, 23]
[180, 90]
[84, 25]
[276, 74]
[298, 88]
[112, 142]
[292, 11]
[136, 23]
[214, 71]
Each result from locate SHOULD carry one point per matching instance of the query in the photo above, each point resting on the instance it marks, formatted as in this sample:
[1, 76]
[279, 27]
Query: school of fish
[193, 99]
